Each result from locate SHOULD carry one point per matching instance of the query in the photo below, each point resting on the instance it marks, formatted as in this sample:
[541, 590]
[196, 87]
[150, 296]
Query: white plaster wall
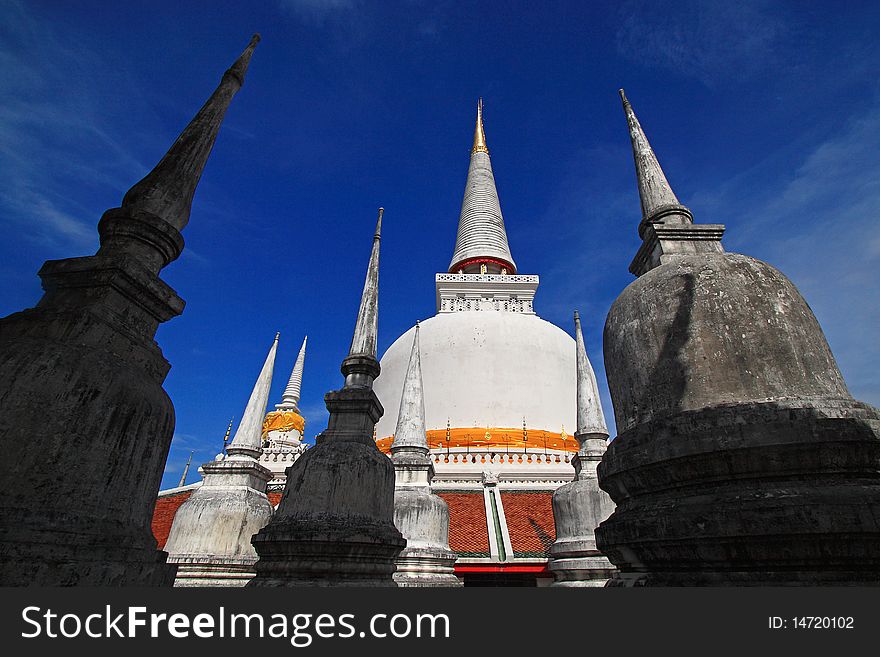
[485, 369]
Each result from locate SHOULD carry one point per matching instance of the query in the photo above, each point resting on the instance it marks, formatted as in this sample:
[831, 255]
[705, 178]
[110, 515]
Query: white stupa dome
[485, 370]
[495, 376]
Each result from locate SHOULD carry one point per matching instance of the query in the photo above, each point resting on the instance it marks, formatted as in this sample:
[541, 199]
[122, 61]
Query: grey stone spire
[83, 368]
[421, 516]
[659, 202]
[182, 481]
[590, 418]
[247, 437]
[290, 396]
[361, 366]
[410, 435]
[667, 227]
[167, 191]
[580, 506]
[740, 457]
[481, 238]
[334, 525]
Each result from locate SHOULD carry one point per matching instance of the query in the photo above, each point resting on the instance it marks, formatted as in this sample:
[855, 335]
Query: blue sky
[765, 116]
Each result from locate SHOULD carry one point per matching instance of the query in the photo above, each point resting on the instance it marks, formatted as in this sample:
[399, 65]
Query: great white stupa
[499, 381]
[500, 387]
[500, 399]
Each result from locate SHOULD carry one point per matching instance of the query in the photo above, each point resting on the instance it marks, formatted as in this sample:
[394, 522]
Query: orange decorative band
[283, 421]
[492, 438]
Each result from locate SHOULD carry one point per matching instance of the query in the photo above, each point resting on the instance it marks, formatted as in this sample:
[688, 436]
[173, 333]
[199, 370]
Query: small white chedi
[421, 516]
[210, 539]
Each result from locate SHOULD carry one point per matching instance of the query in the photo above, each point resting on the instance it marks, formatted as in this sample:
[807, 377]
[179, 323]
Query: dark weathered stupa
[334, 525]
[85, 425]
[741, 458]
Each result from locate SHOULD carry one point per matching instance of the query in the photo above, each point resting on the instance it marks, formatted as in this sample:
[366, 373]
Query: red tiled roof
[529, 517]
[163, 515]
[166, 508]
[467, 524]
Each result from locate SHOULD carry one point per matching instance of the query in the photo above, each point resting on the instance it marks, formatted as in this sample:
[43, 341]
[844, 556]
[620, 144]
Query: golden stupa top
[479, 132]
[282, 421]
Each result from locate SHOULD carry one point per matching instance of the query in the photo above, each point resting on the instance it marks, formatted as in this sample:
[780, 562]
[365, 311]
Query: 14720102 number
[822, 622]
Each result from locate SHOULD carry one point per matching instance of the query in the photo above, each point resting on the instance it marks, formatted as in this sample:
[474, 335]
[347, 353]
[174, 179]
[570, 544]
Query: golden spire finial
[228, 431]
[479, 134]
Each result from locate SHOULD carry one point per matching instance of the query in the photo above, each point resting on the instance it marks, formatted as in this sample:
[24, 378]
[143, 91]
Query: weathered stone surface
[657, 199]
[423, 520]
[757, 494]
[334, 525]
[210, 540]
[741, 457]
[713, 329]
[421, 516]
[84, 420]
[578, 508]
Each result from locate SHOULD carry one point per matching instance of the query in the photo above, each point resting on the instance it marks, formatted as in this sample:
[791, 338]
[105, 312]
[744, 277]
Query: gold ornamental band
[492, 438]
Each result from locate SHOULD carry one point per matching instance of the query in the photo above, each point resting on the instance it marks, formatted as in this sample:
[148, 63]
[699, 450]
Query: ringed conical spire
[659, 203]
[481, 240]
[590, 418]
[410, 433]
[361, 366]
[291, 394]
[247, 439]
[167, 191]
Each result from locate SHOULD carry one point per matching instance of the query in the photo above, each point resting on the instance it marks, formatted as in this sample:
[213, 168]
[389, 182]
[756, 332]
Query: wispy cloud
[190, 255]
[316, 416]
[348, 25]
[345, 25]
[202, 449]
[40, 220]
[818, 225]
[589, 198]
[181, 447]
[47, 145]
[584, 225]
[706, 39]
[320, 11]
